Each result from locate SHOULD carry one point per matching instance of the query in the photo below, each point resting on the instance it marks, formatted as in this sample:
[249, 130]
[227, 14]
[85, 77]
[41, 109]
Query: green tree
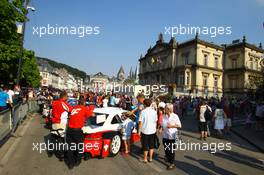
[30, 75]
[256, 82]
[11, 13]
[10, 41]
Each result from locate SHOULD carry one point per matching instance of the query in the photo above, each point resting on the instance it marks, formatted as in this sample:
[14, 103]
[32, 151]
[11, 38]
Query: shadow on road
[241, 159]
[210, 165]
[191, 169]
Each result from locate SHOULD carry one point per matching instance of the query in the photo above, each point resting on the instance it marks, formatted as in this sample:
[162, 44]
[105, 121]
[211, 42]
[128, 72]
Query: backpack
[207, 114]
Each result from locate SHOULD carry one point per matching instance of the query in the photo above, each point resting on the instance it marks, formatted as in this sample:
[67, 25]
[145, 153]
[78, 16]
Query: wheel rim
[115, 145]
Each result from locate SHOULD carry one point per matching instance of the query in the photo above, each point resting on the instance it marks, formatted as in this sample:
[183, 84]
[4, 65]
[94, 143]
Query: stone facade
[195, 67]
[242, 65]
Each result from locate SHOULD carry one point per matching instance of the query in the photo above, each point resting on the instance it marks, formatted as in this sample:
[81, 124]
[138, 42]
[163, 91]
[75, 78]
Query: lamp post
[22, 41]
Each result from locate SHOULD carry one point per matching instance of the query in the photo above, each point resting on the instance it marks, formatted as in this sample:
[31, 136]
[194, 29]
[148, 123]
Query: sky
[128, 28]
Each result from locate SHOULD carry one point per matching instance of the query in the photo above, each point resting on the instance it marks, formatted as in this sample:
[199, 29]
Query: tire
[115, 145]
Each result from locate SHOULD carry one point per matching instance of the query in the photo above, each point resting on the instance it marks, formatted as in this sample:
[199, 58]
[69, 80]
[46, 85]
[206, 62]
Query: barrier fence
[10, 120]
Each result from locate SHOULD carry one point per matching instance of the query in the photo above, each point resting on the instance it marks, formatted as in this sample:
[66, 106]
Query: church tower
[121, 74]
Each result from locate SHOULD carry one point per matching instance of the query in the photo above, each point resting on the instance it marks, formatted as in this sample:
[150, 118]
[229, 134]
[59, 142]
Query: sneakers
[143, 161]
[171, 167]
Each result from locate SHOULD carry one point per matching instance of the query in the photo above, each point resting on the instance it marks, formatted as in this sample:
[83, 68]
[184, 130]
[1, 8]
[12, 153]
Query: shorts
[126, 137]
[148, 141]
[219, 124]
[203, 126]
[228, 122]
[259, 119]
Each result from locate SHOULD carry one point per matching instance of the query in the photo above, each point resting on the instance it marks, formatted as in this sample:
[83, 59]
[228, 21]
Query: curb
[246, 139]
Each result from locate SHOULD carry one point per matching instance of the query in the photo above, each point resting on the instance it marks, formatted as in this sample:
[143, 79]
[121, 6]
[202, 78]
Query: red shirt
[227, 111]
[78, 115]
[59, 107]
[160, 118]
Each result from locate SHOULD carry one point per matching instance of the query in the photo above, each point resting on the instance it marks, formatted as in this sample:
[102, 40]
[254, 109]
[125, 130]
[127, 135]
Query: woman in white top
[105, 102]
[219, 117]
[170, 123]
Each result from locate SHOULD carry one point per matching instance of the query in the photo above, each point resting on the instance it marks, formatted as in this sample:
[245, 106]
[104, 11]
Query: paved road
[19, 157]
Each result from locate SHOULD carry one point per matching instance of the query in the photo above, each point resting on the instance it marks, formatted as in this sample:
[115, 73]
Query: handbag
[178, 139]
[156, 142]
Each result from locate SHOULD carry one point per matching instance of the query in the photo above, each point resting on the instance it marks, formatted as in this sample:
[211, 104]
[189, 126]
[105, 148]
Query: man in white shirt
[147, 129]
[203, 123]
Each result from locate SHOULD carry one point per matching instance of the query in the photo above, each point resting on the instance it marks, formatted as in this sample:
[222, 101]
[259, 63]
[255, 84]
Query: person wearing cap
[74, 133]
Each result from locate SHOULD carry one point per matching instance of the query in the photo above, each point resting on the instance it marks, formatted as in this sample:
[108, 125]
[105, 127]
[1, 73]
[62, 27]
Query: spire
[260, 45]
[135, 73]
[121, 70]
[131, 73]
[121, 74]
[160, 39]
[196, 35]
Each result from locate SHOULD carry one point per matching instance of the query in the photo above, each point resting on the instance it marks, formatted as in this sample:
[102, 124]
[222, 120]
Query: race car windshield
[96, 120]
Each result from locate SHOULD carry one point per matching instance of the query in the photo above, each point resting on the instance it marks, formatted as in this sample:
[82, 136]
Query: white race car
[102, 132]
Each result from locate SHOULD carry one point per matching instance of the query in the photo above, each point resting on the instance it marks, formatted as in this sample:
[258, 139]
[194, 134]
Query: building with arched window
[200, 68]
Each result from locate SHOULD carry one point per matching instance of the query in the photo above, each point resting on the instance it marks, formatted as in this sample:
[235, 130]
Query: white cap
[162, 105]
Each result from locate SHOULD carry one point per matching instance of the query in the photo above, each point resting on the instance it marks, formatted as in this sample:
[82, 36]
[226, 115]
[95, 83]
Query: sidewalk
[253, 137]
[256, 138]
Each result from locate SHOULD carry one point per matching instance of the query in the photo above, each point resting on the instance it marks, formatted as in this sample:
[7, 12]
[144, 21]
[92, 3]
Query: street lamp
[31, 8]
[22, 40]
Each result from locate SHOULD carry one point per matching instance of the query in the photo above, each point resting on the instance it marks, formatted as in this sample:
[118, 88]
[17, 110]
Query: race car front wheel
[115, 145]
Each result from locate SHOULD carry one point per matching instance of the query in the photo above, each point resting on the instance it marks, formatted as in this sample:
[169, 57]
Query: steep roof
[121, 70]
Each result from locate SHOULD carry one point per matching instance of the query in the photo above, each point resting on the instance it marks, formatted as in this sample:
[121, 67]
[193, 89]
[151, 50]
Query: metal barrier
[5, 123]
[9, 120]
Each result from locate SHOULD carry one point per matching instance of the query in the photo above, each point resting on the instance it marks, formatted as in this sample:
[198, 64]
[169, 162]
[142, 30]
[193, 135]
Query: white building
[98, 82]
[58, 78]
